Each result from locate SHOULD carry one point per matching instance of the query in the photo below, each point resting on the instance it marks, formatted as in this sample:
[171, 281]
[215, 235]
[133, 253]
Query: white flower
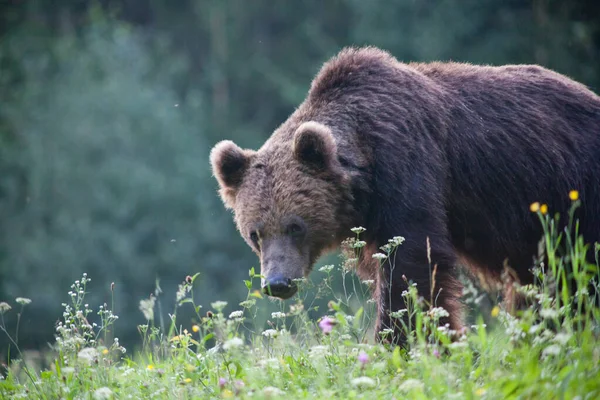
[67, 370]
[363, 381]
[4, 307]
[358, 229]
[236, 314]
[278, 315]
[23, 301]
[88, 354]
[359, 244]
[438, 312]
[562, 338]
[248, 303]
[318, 351]
[548, 313]
[233, 343]
[326, 268]
[552, 350]
[270, 333]
[399, 313]
[411, 384]
[218, 305]
[368, 282]
[102, 393]
[147, 308]
[379, 256]
[396, 240]
[272, 391]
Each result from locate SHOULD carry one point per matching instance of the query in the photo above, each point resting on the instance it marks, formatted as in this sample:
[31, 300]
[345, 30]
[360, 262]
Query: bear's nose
[279, 286]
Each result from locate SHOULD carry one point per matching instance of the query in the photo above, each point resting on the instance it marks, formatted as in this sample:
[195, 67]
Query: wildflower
[438, 312]
[187, 380]
[88, 354]
[562, 338]
[195, 328]
[272, 391]
[495, 311]
[480, 392]
[4, 307]
[248, 303]
[363, 381]
[358, 230]
[270, 333]
[188, 279]
[326, 268]
[379, 256]
[326, 324]
[436, 353]
[548, 313]
[233, 343]
[222, 383]
[278, 315]
[23, 301]
[552, 350]
[574, 195]
[218, 305]
[105, 351]
[411, 384]
[368, 282]
[359, 244]
[399, 313]
[544, 209]
[102, 393]
[236, 314]
[534, 207]
[147, 308]
[363, 358]
[396, 240]
[385, 332]
[150, 367]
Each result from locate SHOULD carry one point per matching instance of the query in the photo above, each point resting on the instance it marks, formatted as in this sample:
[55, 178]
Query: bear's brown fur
[448, 154]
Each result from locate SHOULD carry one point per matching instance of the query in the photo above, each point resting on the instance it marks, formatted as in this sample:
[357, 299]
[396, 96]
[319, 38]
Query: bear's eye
[254, 238]
[295, 229]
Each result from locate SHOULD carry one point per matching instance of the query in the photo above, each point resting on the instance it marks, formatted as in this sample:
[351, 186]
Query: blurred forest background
[108, 110]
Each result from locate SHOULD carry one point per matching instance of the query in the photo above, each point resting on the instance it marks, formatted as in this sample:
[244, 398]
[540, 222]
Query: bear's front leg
[408, 265]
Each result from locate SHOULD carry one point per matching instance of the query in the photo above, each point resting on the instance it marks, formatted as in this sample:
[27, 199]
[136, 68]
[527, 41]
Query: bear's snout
[279, 286]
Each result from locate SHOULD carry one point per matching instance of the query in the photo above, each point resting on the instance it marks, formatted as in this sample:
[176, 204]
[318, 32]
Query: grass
[549, 350]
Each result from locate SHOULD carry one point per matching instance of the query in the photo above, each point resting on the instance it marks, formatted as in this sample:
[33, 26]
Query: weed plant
[549, 348]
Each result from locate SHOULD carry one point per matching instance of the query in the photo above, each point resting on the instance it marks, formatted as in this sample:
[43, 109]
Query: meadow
[550, 349]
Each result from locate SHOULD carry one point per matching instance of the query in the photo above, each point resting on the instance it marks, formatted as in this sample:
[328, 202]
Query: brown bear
[447, 155]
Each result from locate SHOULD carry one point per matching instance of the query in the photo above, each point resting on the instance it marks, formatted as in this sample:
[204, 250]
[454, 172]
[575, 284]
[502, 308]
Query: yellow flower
[534, 207]
[544, 208]
[495, 311]
[480, 392]
[150, 367]
[195, 328]
[105, 351]
[189, 367]
[574, 195]
[188, 380]
[227, 394]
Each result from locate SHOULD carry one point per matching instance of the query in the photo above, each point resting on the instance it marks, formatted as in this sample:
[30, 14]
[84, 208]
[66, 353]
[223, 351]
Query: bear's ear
[229, 163]
[314, 145]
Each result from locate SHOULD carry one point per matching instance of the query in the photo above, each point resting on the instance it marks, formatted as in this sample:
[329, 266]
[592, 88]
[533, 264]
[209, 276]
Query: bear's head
[290, 200]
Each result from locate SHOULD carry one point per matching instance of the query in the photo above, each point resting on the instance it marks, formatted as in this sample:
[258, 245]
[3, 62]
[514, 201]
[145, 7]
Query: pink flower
[222, 382]
[326, 324]
[436, 353]
[363, 357]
